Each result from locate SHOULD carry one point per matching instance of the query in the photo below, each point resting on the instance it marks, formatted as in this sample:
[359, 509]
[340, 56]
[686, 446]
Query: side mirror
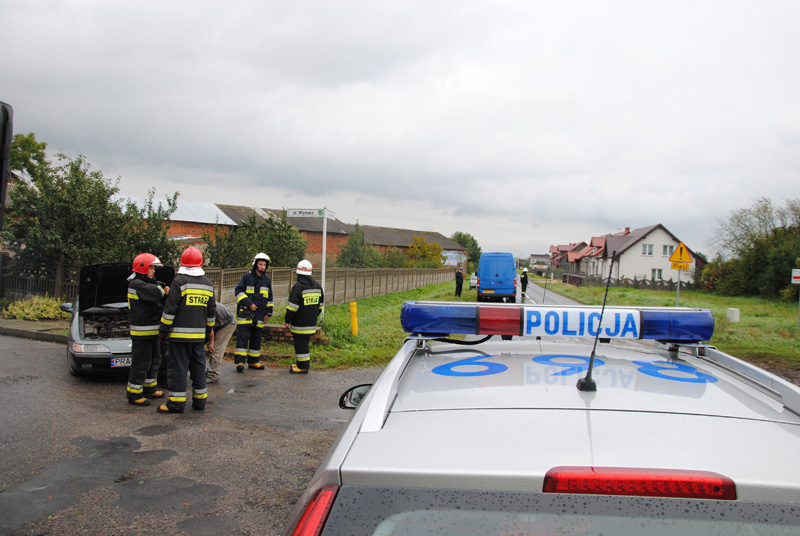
[351, 398]
[67, 307]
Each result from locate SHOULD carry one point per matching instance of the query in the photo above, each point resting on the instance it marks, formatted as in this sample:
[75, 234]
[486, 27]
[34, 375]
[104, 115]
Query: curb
[33, 334]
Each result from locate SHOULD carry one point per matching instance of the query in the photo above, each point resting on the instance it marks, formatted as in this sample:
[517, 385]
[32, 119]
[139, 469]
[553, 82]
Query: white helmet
[261, 257]
[304, 267]
[524, 269]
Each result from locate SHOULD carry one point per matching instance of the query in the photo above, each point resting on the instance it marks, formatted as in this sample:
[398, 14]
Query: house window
[647, 249]
[657, 274]
[668, 250]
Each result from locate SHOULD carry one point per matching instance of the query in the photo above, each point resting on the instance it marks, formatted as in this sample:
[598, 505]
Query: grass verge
[767, 333]
[379, 337]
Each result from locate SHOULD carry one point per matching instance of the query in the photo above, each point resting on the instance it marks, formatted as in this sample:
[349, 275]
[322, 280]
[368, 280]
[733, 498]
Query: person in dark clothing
[188, 322]
[523, 281]
[144, 303]
[254, 307]
[459, 282]
[305, 300]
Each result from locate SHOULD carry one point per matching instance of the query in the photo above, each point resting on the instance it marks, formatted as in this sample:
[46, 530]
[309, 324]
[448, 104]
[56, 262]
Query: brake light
[639, 482]
[316, 513]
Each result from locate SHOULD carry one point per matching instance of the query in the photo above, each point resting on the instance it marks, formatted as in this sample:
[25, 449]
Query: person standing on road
[305, 300]
[523, 281]
[254, 307]
[188, 321]
[459, 281]
[144, 303]
[224, 326]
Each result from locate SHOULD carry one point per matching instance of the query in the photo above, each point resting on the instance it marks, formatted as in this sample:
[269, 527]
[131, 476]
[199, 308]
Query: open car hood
[106, 285]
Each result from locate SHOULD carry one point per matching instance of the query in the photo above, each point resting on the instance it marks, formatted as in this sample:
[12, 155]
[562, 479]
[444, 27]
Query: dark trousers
[248, 344]
[145, 360]
[302, 350]
[458, 288]
[182, 357]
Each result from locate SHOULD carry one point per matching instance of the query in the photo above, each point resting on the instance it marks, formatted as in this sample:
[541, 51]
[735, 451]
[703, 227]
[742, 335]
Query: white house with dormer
[640, 253]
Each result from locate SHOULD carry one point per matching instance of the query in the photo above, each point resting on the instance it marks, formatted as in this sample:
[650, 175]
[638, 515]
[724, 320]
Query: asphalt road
[78, 459]
[539, 294]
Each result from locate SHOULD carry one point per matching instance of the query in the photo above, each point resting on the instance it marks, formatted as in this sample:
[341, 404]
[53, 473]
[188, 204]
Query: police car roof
[501, 414]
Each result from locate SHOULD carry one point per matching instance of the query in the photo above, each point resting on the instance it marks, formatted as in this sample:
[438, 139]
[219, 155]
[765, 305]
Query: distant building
[192, 218]
[641, 253]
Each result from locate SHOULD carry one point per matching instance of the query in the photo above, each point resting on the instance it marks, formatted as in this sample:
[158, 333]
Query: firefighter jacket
[304, 304]
[145, 305]
[190, 309]
[253, 289]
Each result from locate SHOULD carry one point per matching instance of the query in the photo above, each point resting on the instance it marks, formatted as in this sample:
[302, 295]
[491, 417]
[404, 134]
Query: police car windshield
[407, 512]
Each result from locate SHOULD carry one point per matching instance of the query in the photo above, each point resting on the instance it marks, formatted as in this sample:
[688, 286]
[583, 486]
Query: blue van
[497, 277]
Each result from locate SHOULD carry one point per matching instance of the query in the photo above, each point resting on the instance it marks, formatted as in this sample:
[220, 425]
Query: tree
[422, 254]
[356, 253]
[393, 258]
[28, 157]
[763, 243]
[146, 229]
[471, 244]
[63, 217]
[235, 247]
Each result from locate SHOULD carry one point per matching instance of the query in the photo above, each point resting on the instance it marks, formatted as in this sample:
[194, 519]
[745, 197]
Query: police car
[561, 420]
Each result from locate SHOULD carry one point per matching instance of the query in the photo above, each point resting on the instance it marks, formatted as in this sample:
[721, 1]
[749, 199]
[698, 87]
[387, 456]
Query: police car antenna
[587, 383]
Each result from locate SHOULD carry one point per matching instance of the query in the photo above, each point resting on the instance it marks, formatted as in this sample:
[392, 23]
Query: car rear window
[407, 512]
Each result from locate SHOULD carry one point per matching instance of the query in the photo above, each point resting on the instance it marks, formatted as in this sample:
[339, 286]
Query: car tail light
[316, 513]
[639, 482]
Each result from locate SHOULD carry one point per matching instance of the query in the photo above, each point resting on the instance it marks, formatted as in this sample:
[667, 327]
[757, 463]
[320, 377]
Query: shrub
[36, 308]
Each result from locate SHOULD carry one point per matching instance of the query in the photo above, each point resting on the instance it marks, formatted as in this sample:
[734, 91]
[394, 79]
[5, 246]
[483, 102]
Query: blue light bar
[678, 324]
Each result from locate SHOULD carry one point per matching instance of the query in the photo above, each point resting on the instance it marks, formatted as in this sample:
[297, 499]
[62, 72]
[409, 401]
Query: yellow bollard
[353, 318]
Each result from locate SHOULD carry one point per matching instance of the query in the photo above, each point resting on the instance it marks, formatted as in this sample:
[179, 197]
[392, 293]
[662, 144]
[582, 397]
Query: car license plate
[488, 292]
[120, 362]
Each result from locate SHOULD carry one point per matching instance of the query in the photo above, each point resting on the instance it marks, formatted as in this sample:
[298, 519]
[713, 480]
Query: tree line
[64, 215]
[758, 248]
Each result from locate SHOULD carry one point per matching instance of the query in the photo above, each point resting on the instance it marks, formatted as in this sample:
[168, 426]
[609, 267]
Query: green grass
[766, 334]
[379, 337]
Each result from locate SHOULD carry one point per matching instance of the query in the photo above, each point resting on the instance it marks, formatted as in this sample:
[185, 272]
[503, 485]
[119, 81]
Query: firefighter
[253, 309]
[188, 322]
[145, 304]
[523, 281]
[305, 300]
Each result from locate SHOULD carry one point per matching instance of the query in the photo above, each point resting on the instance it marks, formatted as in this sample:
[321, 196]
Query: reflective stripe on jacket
[190, 309]
[303, 308]
[253, 289]
[144, 304]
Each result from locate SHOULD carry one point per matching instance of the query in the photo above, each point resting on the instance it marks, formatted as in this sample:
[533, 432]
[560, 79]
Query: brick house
[192, 218]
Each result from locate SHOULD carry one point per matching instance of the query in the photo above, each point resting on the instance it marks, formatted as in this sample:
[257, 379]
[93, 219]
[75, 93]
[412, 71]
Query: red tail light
[316, 513]
[639, 482]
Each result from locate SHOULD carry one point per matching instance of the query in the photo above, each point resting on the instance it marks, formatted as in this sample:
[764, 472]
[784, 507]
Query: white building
[641, 253]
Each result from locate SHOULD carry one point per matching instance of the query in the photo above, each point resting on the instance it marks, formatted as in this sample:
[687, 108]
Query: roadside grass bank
[380, 334]
[766, 335]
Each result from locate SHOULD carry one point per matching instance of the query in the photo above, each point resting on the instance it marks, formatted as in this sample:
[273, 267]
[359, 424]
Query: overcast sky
[525, 123]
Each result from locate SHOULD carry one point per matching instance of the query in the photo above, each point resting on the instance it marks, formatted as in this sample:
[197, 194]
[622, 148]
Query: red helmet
[191, 257]
[143, 261]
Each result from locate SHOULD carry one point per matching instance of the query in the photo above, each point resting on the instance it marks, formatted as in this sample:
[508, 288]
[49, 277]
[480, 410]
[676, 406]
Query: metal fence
[342, 285]
[19, 287]
[650, 284]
